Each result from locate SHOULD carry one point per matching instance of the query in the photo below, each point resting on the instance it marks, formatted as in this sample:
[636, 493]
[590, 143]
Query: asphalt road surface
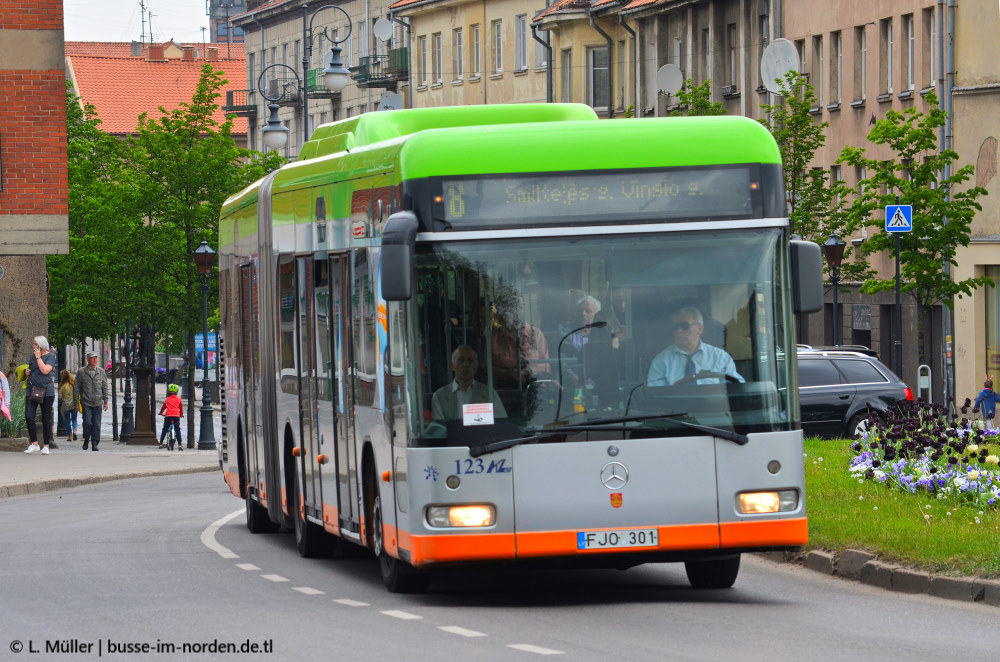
[165, 569]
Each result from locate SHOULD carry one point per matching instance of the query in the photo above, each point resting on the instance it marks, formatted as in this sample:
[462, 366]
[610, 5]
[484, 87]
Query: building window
[477, 69]
[733, 54]
[679, 54]
[251, 78]
[521, 42]
[816, 76]
[885, 56]
[860, 62]
[929, 34]
[706, 54]
[836, 66]
[497, 47]
[541, 52]
[362, 40]
[436, 57]
[622, 55]
[422, 54]
[598, 77]
[908, 54]
[457, 51]
[567, 76]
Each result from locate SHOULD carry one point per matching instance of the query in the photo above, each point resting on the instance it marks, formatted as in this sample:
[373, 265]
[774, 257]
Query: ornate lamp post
[833, 248]
[204, 258]
[335, 77]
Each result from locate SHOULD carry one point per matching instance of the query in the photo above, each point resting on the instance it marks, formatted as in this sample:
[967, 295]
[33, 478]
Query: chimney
[188, 53]
[213, 54]
[155, 54]
[136, 49]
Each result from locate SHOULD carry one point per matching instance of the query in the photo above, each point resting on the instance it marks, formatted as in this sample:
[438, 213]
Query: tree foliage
[815, 203]
[943, 208]
[696, 100]
[138, 208]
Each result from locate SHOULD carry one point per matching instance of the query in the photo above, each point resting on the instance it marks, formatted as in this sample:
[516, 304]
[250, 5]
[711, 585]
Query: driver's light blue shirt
[668, 366]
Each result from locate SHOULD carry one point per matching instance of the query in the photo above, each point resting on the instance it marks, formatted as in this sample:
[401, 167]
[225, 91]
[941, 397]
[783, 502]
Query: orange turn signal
[386, 476]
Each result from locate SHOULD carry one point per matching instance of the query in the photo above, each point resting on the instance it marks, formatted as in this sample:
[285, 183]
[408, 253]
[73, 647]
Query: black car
[837, 388]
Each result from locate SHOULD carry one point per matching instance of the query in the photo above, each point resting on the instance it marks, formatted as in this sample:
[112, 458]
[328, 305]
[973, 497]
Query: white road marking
[247, 566]
[208, 536]
[401, 615]
[274, 578]
[462, 632]
[528, 648]
[352, 603]
[307, 590]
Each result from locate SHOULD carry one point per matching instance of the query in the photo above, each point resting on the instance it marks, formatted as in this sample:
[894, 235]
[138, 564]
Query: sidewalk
[71, 466]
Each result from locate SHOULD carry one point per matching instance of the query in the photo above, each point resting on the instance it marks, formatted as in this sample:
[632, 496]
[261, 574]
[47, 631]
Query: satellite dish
[778, 59]
[383, 29]
[669, 79]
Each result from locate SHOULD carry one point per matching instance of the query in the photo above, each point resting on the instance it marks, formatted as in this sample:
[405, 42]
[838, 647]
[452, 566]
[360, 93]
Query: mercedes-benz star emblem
[614, 475]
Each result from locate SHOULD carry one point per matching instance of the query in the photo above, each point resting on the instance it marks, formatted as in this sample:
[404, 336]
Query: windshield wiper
[608, 425]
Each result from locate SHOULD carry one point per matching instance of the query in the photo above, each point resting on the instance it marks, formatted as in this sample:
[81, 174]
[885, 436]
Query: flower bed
[916, 448]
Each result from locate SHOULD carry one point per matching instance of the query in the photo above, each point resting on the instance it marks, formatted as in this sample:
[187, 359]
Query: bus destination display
[667, 194]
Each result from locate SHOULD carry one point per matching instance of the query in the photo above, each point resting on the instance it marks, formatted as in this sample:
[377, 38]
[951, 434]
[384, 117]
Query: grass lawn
[919, 530]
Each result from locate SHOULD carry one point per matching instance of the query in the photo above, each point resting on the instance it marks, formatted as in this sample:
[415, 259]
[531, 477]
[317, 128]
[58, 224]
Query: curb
[36, 487]
[861, 566]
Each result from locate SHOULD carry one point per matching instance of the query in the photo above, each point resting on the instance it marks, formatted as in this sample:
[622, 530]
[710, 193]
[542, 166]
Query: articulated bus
[546, 255]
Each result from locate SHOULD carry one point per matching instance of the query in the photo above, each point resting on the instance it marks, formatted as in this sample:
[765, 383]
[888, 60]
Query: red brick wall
[33, 142]
[31, 15]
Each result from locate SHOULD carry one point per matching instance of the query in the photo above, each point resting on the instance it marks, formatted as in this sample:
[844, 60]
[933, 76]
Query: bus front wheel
[715, 573]
[398, 576]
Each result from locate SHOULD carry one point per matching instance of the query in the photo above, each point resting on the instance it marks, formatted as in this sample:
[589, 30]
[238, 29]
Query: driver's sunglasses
[683, 326]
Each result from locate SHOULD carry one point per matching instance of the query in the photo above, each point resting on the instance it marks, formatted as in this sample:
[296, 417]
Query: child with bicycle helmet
[172, 409]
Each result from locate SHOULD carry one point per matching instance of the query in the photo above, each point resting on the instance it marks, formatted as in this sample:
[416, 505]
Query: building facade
[469, 52]
[34, 215]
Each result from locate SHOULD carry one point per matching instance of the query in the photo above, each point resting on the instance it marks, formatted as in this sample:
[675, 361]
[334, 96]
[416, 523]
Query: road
[167, 562]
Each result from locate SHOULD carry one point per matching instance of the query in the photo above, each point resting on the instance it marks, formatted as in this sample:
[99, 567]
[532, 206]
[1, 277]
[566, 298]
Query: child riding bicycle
[172, 410]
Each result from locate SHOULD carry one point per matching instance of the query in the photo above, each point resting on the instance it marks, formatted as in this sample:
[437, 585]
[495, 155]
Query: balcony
[382, 71]
[241, 103]
[317, 88]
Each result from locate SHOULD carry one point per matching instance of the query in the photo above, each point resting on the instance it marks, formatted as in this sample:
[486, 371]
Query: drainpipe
[263, 64]
[611, 87]
[548, 65]
[635, 66]
[409, 55]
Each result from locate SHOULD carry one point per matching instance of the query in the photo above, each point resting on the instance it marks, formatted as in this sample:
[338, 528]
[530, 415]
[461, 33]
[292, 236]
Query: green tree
[696, 100]
[943, 208]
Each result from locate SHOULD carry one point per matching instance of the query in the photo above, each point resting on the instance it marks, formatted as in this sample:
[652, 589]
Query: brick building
[33, 178]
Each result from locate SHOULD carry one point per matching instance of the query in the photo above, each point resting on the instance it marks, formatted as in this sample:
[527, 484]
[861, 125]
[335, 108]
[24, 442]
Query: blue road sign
[898, 218]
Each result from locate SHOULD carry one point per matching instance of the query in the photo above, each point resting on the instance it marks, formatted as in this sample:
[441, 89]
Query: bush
[15, 426]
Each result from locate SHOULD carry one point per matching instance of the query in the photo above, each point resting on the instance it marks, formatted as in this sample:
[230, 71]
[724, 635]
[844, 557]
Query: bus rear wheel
[714, 573]
[398, 576]
[257, 518]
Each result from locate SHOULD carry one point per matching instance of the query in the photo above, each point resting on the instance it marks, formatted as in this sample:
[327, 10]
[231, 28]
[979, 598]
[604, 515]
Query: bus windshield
[520, 336]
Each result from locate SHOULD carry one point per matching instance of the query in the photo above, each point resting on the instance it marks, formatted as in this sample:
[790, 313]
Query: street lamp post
[204, 258]
[335, 77]
[833, 248]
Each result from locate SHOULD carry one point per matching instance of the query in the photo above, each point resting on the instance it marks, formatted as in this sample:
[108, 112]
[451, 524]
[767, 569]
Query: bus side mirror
[807, 277]
[398, 239]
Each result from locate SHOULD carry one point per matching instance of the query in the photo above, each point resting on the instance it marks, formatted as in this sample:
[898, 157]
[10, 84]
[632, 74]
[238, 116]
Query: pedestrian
[41, 370]
[987, 400]
[172, 409]
[4, 396]
[91, 390]
[67, 405]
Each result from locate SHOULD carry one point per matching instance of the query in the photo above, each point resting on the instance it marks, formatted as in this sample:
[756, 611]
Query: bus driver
[447, 401]
[688, 355]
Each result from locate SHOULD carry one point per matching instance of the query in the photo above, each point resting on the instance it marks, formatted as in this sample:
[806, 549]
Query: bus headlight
[461, 516]
[768, 502]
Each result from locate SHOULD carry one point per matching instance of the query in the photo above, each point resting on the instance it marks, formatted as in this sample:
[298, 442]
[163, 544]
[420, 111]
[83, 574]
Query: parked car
[837, 388]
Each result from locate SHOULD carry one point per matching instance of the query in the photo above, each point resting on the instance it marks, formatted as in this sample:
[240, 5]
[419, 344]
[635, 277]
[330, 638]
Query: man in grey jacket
[91, 390]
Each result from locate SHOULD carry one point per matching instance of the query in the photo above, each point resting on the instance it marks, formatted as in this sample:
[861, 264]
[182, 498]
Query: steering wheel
[706, 375]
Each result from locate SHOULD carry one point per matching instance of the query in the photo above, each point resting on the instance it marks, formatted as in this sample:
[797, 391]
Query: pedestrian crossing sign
[898, 218]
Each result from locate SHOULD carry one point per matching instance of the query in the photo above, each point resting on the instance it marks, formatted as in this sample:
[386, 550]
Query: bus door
[343, 404]
[307, 386]
[250, 387]
[325, 368]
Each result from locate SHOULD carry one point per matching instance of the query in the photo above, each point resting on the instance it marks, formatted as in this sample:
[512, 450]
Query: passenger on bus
[446, 404]
[689, 355]
[520, 351]
[573, 336]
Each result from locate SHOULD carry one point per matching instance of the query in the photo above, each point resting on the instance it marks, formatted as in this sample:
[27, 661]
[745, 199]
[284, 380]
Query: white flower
[948, 513]
[928, 506]
[875, 508]
[992, 459]
[861, 497]
[972, 448]
[927, 516]
[973, 475]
